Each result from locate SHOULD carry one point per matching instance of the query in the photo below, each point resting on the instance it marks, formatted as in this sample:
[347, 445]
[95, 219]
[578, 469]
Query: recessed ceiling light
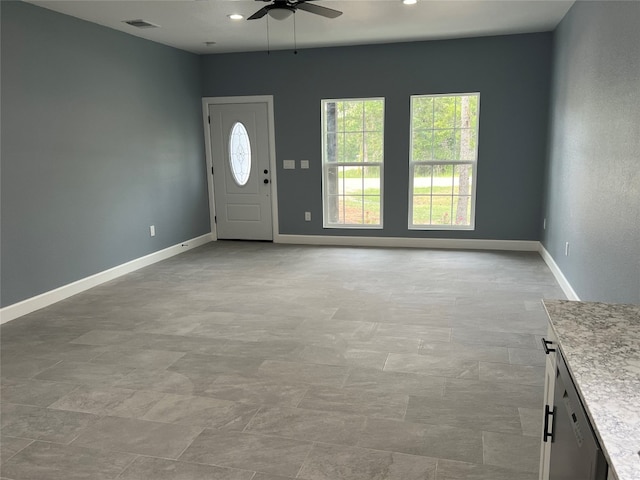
[235, 16]
[409, 2]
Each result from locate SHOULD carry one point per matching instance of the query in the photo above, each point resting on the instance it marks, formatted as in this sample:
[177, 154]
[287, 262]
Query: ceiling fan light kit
[281, 13]
[283, 9]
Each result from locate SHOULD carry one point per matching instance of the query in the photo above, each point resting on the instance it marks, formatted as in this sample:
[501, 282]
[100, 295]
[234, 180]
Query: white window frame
[473, 164]
[326, 165]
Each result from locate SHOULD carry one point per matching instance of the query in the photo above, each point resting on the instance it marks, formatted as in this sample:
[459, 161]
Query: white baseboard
[32, 304]
[560, 278]
[440, 243]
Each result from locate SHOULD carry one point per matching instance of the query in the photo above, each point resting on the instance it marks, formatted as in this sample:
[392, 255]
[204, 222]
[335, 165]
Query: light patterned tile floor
[255, 361]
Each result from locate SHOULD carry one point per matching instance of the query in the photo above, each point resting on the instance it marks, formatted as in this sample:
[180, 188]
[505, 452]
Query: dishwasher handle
[549, 414]
[545, 346]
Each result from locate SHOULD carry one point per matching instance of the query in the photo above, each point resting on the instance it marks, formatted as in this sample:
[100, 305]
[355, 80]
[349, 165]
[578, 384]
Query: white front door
[241, 171]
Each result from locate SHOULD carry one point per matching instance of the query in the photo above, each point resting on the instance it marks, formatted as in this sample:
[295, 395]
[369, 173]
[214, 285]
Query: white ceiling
[188, 24]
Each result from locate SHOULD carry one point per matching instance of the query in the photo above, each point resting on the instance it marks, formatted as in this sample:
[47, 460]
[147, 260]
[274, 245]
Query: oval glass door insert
[239, 154]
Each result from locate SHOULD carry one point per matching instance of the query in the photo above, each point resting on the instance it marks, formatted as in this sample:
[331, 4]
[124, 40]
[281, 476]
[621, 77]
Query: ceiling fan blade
[260, 13]
[318, 10]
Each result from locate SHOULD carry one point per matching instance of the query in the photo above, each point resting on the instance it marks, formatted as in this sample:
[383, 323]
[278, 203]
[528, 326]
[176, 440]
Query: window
[240, 154]
[443, 158]
[352, 162]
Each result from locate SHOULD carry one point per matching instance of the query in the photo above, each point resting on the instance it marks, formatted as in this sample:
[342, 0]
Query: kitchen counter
[601, 344]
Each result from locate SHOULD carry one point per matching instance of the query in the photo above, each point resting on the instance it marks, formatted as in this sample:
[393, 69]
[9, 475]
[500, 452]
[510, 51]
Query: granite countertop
[601, 345]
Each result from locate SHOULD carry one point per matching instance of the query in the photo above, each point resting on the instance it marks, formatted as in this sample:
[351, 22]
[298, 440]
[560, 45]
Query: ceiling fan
[281, 9]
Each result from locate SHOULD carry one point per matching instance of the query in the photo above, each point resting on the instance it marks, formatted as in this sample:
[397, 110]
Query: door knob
[266, 180]
[266, 171]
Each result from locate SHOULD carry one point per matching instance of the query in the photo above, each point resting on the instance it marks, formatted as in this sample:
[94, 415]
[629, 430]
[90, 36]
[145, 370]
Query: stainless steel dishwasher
[575, 452]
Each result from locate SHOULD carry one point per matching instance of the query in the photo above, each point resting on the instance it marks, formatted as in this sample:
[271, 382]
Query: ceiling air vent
[141, 23]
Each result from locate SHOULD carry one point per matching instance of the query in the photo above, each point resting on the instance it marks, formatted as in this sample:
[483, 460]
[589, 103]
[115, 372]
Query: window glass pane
[353, 181]
[340, 147]
[353, 209]
[422, 179]
[441, 210]
[462, 210]
[457, 113]
[339, 116]
[372, 181]
[422, 146]
[443, 180]
[353, 116]
[342, 178]
[422, 113]
[331, 117]
[444, 112]
[373, 115]
[472, 113]
[353, 146]
[239, 154]
[372, 210]
[373, 147]
[444, 145]
[466, 140]
[332, 180]
[333, 208]
[462, 179]
[331, 148]
[421, 210]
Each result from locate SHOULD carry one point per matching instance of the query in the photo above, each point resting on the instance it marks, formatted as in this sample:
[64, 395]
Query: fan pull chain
[295, 39]
[268, 43]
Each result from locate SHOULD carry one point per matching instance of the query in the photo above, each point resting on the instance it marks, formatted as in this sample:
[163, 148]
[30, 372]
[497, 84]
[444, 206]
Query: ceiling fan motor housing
[281, 9]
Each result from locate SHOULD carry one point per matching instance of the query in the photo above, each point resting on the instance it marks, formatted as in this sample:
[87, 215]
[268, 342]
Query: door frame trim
[268, 99]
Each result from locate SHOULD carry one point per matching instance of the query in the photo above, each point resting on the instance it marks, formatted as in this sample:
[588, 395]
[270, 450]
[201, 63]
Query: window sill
[442, 228]
[352, 227]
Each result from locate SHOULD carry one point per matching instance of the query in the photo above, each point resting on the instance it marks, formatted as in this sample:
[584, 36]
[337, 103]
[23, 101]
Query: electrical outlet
[307, 216]
[152, 230]
[289, 164]
[304, 164]
[566, 249]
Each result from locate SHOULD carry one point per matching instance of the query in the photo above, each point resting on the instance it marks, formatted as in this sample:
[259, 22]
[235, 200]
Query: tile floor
[255, 361]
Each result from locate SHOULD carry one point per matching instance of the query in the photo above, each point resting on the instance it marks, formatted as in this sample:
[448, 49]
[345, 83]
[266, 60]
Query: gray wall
[101, 137]
[593, 185]
[512, 74]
